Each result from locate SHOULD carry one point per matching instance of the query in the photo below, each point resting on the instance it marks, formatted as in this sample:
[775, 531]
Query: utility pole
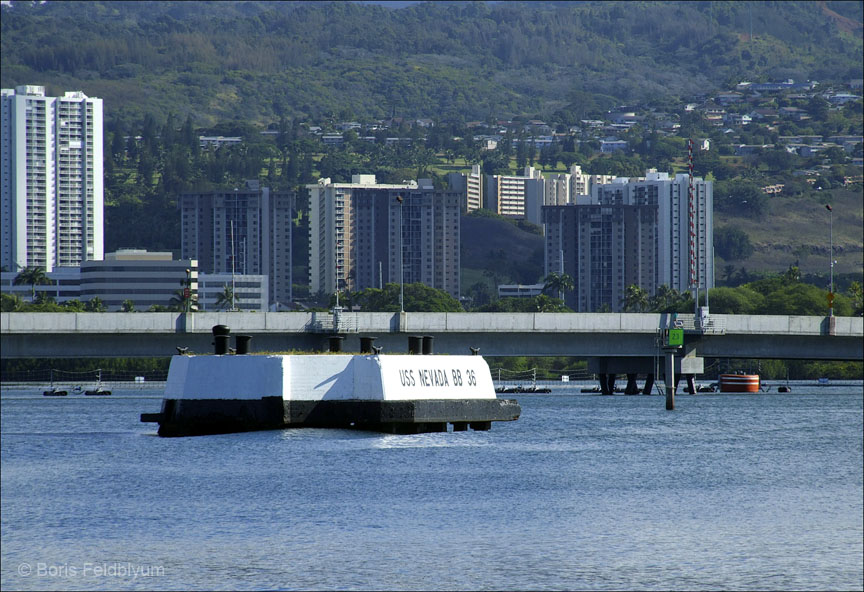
[831, 259]
[233, 308]
[401, 260]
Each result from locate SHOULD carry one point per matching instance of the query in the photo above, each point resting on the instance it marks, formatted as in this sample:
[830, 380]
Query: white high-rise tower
[52, 184]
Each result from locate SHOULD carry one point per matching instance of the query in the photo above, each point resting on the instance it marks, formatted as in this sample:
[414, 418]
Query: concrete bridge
[606, 337]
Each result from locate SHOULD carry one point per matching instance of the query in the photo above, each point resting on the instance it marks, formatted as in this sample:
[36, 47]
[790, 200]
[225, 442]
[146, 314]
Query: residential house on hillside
[737, 119]
[726, 98]
[745, 149]
[764, 114]
[714, 115]
[535, 126]
[609, 145]
[790, 84]
[630, 118]
[847, 142]
[799, 139]
[842, 98]
[206, 142]
[794, 113]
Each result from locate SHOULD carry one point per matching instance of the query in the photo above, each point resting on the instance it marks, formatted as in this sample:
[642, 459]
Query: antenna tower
[692, 257]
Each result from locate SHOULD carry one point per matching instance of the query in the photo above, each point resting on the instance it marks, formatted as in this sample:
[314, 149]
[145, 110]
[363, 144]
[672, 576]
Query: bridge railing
[333, 323]
[707, 326]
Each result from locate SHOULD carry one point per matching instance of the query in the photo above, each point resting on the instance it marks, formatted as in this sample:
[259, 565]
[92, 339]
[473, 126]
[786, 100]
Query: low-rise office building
[143, 279]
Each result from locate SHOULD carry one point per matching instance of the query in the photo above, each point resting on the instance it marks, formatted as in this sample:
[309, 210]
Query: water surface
[583, 492]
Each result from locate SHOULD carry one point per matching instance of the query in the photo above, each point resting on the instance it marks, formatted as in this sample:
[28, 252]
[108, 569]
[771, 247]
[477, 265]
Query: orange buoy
[739, 383]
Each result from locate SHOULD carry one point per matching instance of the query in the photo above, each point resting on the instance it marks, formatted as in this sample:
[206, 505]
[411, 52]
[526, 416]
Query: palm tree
[10, 302]
[635, 299]
[32, 276]
[127, 306]
[95, 304]
[225, 299]
[665, 298]
[544, 303]
[177, 300]
[559, 282]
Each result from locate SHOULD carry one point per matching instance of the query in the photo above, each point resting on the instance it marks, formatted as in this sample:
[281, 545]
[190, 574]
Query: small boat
[784, 389]
[508, 389]
[739, 383]
[823, 381]
[54, 391]
[706, 388]
[536, 389]
[98, 392]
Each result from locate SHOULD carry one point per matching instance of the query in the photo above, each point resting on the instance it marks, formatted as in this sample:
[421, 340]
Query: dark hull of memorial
[394, 394]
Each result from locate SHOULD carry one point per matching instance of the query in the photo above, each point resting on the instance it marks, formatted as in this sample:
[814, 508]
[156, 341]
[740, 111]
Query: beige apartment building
[355, 240]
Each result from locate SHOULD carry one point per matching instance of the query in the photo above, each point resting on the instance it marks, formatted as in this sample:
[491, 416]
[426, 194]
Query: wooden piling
[670, 381]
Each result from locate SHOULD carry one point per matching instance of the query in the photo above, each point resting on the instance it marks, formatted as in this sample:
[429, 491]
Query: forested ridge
[257, 61]
[169, 71]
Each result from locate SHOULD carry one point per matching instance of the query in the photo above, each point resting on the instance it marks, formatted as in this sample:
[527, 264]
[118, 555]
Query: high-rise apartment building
[631, 232]
[516, 196]
[557, 190]
[581, 183]
[242, 231]
[355, 240]
[470, 186]
[52, 184]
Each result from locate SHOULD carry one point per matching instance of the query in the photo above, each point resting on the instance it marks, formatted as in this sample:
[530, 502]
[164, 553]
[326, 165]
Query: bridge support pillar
[632, 388]
[604, 384]
[649, 384]
[691, 384]
[611, 386]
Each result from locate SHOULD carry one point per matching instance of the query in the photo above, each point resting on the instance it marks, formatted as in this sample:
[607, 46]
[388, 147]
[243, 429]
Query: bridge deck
[505, 334]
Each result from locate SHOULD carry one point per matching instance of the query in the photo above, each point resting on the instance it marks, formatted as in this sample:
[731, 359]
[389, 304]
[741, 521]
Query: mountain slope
[459, 60]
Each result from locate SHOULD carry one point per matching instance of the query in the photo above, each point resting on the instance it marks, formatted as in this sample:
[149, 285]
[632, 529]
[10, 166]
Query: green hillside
[498, 251]
[257, 61]
[795, 231]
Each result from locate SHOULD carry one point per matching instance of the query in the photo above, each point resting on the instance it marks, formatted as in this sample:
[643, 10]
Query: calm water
[726, 492]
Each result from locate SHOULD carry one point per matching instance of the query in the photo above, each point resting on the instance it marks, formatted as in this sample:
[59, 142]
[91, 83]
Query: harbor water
[751, 491]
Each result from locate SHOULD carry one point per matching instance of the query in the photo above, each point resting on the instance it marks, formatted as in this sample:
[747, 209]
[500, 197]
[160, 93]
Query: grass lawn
[797, 228]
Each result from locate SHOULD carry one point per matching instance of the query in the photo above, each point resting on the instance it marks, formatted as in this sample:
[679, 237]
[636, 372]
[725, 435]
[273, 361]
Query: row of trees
[779, 294]
[181, 300]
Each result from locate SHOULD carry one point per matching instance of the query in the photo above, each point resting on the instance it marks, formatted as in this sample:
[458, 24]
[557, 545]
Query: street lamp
[187, 291]
[233, 254]
[831, 259]
[401, 259]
